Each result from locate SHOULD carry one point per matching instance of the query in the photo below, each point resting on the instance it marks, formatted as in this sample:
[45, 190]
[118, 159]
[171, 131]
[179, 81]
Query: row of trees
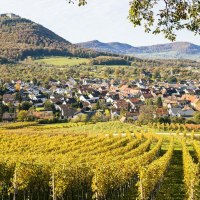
[184, 128]
[103, 60]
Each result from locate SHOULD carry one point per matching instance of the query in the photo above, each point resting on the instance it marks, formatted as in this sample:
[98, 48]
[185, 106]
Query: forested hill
[20, 38]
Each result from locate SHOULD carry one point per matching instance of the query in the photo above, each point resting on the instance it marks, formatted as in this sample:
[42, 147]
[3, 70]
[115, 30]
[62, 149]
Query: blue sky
[104, 20]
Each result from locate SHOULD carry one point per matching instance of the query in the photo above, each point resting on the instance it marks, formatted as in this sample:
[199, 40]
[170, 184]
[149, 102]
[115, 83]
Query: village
[98, 99]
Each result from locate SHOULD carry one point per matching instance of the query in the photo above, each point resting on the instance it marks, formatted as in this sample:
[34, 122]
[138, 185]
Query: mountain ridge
[177, 48]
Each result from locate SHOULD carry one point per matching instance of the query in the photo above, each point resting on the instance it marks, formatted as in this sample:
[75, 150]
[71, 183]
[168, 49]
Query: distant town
[99, 100]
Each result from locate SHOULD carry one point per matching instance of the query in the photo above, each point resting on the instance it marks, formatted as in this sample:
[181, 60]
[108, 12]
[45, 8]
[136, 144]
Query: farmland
[109, 160]
[62, 61]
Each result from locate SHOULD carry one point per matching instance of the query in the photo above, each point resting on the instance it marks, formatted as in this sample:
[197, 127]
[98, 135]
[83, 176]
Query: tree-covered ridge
[20, 30]
[20, 38]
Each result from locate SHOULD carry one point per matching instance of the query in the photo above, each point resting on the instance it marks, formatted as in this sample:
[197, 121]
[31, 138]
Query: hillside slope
[21, 37]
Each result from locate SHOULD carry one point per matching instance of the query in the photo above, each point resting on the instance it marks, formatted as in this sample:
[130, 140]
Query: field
[70, 61]
[112, 161]
[62, 61]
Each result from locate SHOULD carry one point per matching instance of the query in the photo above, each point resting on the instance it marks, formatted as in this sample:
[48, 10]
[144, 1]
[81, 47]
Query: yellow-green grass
[62, 61]
[40, 109]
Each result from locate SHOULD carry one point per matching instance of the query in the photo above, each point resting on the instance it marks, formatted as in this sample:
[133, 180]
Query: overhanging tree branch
[172, 15]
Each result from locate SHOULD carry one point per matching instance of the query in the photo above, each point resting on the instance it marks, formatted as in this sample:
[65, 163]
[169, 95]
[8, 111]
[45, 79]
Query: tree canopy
[163, 16]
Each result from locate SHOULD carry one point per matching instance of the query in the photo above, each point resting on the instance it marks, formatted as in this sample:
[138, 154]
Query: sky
[103, 20]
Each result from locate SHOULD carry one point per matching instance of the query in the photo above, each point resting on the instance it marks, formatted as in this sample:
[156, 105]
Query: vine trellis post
[53, 187]
[14, 185]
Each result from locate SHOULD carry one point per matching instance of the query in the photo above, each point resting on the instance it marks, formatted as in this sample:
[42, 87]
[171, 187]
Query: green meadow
[62, 61]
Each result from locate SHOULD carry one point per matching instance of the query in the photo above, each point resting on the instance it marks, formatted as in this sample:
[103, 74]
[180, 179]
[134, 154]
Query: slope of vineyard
[89, 161]
[172, 186]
